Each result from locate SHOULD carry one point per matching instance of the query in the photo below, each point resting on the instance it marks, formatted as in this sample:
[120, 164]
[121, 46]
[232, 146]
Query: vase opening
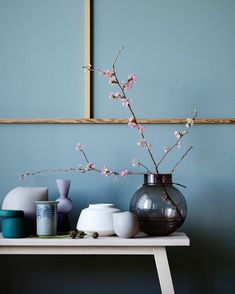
[154, 179]
[101, 205]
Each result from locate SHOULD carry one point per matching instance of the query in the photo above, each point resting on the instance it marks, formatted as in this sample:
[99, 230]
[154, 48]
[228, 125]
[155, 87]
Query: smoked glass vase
[160, 207]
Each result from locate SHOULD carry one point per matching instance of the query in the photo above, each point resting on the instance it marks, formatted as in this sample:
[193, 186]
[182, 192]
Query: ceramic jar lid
[11, 213]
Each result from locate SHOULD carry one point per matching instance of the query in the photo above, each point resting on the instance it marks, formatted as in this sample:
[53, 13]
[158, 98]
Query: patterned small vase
[46, 213]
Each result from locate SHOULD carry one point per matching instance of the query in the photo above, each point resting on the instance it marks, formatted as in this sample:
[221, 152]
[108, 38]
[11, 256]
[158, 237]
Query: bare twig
[182, 157]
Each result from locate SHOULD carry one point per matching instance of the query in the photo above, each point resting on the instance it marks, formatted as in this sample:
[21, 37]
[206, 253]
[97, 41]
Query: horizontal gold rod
[113, 120]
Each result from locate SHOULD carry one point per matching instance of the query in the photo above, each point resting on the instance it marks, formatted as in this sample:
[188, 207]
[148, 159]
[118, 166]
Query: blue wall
[207, 266]
[182, 52]
[42, 52]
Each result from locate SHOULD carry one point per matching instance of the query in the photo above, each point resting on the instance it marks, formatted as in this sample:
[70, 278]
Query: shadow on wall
[207, 266]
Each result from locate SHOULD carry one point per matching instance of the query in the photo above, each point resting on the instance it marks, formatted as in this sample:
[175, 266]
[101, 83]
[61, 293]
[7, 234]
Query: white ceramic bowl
[97, 218]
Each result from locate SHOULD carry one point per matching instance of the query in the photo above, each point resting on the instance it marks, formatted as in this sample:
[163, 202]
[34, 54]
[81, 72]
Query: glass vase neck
[156, 179]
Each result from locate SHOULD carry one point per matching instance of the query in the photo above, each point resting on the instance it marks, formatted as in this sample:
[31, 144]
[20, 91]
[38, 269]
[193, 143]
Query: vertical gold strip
[87, 58]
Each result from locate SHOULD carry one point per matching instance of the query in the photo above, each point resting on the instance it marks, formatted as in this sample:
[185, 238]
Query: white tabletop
[175, 239]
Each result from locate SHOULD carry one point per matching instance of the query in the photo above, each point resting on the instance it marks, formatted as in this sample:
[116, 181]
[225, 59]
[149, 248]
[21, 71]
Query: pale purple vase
[64, 205]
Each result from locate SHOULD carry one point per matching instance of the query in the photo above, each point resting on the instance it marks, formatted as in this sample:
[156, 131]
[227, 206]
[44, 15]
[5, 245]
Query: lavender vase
[64, 205]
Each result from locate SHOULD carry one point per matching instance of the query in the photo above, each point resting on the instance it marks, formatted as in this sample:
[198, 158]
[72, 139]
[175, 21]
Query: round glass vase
[160, 207]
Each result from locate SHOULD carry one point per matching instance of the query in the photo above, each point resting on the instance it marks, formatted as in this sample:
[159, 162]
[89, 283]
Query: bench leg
[163, 270]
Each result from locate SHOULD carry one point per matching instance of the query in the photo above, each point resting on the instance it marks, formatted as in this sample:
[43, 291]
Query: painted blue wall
[182, 52]
[42, 52]
[207, 266]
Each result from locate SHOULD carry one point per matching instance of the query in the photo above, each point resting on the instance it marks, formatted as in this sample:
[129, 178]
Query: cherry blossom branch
[90, 167]
[105, 171]
[136, 163]
[80, 147]
[183, 156]
[179, 136]
[133, 123]
[72, 169]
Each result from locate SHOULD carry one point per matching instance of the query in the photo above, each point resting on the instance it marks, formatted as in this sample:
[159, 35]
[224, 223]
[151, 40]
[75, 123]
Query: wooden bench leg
[163, 270]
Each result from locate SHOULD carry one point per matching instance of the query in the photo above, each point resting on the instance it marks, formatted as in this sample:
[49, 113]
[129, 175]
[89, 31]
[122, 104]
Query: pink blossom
[114, 96]
[166, 149]
[132, 123]
[90, 166]
[141, 129]
[132, 77]
[111, 94]
[105, 171]
[189, 122]
[112, 80]
[79, 147]
[179, 134]
[129, 84]
[143, 143]
[108, 74]
[124, 173]
[125, 102]
[136, 162]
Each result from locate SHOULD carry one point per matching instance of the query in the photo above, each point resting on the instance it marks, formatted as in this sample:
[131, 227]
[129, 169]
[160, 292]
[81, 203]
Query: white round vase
[23, 198]
[125, 224]
[97, 218]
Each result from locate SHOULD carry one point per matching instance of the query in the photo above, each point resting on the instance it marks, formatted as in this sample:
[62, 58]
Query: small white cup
[125, 224]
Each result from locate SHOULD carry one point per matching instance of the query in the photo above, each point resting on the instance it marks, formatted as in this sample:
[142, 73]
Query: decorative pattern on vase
[160, 207]
[64, 205]
[46, 213]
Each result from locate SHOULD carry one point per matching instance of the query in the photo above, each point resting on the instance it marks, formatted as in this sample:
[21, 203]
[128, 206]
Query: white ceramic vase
[23, 198]
[125, 224]
[97, 218]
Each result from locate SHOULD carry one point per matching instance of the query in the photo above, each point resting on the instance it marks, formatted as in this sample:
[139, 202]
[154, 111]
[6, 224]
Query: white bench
[140, 245]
